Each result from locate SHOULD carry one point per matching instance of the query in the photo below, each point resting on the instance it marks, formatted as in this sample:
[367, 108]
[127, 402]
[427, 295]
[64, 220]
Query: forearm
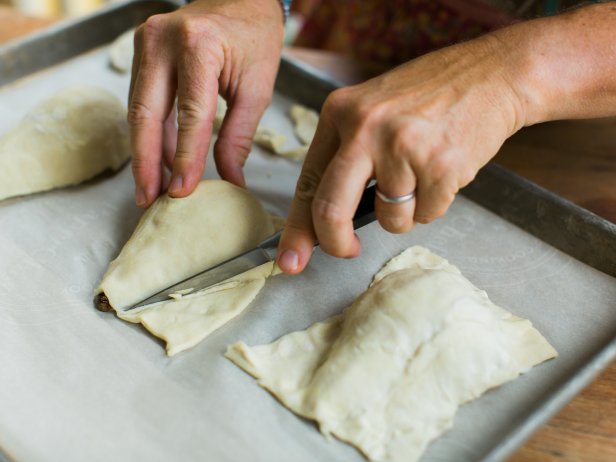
[564, 66]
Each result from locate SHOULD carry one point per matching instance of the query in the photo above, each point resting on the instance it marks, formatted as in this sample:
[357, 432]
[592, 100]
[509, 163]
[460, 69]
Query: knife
[263, 253]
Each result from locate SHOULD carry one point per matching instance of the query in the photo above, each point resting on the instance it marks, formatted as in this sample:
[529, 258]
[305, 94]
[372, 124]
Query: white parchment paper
[77, 385]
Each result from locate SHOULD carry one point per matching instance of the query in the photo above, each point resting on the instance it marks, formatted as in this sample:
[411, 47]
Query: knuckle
[404, 140]
[138, 113]
[191, 31]
[370, 114]
[153, 26]
[238, 146]
[140, 164]
[307, 185]
[466, 175]
[190, 114]
[336, 100]
[431, 149]
[328, 212]
[440, 168]
[359, 112]
[187, 157]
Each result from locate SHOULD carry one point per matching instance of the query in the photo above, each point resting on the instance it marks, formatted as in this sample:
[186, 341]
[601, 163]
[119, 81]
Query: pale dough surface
[121, 52]
[65, 140]
[176, 239]
[184, 322]
[388, 374]
[269, 140]
[305, 121]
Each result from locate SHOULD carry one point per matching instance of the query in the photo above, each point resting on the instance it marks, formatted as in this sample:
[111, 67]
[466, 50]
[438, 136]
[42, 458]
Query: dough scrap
[388, 375]
[266, 138]
[121, 52]
[177, 238]
[305, 121]
[65, 140]
[269, 139]
[298, 153]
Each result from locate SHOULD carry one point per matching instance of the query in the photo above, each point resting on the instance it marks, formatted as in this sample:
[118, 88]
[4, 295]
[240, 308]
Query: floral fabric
[394, 31]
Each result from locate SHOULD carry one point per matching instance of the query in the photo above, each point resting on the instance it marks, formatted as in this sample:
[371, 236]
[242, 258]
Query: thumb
[298, 238]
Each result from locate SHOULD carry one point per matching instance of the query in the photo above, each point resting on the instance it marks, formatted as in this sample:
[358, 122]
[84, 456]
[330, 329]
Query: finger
[298, 238]
[234, 141]
[336, 200]
[197, 94]
[436, 189]
[151, 100]
[170, 137]
[395, 178]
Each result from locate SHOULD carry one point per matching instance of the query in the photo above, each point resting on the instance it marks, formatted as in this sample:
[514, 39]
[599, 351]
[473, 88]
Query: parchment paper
[76, 384]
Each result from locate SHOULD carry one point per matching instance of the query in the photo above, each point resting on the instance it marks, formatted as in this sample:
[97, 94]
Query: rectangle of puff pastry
[388, 374]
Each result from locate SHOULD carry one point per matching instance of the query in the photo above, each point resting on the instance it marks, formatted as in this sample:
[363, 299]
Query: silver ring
[395, 199]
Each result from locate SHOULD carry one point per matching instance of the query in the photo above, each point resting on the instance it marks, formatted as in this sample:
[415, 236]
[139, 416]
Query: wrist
[561, 67]
[515, 70]
[524, 66]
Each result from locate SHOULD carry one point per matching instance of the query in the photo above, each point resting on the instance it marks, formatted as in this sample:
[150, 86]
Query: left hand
[231, 47]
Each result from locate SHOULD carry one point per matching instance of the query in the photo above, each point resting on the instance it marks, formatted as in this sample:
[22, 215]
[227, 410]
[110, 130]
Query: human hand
[231, 47]
[427, 126]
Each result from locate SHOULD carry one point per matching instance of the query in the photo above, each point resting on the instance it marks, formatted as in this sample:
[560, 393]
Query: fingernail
[176, 184]
[140, 197]
[288, 260]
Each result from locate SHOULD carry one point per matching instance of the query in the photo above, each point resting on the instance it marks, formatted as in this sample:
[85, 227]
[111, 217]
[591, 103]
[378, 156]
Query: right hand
[231, 47]
[426, 126]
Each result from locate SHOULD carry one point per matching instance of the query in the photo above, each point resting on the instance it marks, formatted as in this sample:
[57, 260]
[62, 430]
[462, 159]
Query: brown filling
[101, 302]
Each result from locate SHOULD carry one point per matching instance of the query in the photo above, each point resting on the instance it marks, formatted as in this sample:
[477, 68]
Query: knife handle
[365, 209]
[363, 215]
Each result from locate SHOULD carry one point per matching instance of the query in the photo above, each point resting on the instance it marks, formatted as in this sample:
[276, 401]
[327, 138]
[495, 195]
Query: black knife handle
[365, 210]
[363, 215]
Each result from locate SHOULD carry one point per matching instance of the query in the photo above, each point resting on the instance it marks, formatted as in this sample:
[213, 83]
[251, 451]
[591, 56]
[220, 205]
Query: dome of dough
[177, 238]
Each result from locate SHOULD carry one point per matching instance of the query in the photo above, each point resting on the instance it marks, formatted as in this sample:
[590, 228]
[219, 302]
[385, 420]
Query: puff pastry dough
[121, 52]
[305, 121]
[389, 373]
[65, 140]
[271, 140]
[177, 238]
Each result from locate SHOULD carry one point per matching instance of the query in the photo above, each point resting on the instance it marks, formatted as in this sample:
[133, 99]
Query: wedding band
[395, 199]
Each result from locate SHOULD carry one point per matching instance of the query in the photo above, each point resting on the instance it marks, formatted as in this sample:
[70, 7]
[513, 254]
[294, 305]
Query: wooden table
[14, 24]
[574, 159]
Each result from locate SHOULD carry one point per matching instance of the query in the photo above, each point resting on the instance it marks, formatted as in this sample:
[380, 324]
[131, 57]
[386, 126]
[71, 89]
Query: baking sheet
[76, 384]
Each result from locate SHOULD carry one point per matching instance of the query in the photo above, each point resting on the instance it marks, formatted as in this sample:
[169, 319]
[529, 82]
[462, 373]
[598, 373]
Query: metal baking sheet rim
[312, 88]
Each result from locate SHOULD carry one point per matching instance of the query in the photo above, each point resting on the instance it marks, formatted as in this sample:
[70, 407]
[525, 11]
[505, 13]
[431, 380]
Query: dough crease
[176, 239]
[388, 374]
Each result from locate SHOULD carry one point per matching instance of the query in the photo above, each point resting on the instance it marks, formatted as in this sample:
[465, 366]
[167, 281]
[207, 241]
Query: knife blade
[263, 253]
